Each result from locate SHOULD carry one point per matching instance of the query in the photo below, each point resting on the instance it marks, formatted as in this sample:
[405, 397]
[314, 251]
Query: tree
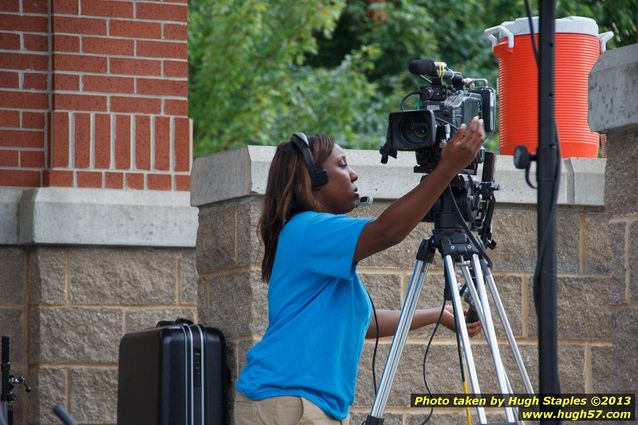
[262, 69]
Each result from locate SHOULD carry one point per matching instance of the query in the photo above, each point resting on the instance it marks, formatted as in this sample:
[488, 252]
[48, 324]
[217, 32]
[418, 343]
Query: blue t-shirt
[318, 316]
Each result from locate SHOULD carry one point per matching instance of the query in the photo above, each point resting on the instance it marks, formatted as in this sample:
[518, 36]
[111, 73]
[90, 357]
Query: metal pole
[548, 166]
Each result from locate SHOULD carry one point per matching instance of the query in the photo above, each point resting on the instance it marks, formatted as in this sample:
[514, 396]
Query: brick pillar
[94, 94]
[97, 234]
[613, 98]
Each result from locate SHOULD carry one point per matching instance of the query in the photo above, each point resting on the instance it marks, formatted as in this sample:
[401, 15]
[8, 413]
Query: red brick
[66, 43]
[32, 159]
[161, 12]
[135, 29]
[35, 81]
[162, 143]
[175, 69]
[24, 100]
[162, 49]
[183, 183]
[160, 181]
[82, 145]
[136, 105]
[20, 178]
[63, 62]
[142, 142]
[162, 87]
[89, 179]
[102, 141]
[24, 61]
[175, 32]
[176, 107]
[33, 120]
[9, 158]
[182, 143]
[108, 46]
[59, 178]
[135, 66]
[24, 23]
[9, 119]
[76, 102]
[135, 181]
[22, 138]
[9, 41]
[65, 7]
[66, 82]
[36, 43]
[114, 180]
[9, 6]
[60, 140]
[110, 9]
[63, 24]
[123, 142]
[9, 80]
[35, 6]
[108, 84]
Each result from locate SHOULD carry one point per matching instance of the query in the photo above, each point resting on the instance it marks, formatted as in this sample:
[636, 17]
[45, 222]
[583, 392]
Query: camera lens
[415, 132]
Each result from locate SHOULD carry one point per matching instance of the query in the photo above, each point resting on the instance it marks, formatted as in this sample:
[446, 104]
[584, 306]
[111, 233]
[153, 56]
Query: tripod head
[467, 206]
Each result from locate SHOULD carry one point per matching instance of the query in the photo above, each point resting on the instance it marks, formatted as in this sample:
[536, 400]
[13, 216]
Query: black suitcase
[173, 374]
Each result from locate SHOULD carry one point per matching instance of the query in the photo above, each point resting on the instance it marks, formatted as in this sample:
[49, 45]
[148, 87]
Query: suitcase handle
[178, 321]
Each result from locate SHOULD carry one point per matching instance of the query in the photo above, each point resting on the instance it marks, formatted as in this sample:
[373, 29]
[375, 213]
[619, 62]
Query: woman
[304, 369]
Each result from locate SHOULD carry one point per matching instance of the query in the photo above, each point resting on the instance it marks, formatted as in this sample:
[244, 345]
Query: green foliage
[262, 69]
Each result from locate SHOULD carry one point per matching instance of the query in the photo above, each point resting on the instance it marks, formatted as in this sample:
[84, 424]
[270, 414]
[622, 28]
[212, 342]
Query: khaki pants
[280, 411]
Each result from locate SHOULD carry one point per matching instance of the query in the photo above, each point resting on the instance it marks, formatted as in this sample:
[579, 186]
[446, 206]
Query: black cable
[425, 357]
[376, 343]
[531, 30]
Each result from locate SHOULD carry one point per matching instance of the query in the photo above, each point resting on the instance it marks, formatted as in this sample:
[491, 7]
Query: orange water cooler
[578, 47]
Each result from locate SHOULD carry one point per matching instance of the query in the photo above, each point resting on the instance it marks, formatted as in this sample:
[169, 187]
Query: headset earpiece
[317, 177]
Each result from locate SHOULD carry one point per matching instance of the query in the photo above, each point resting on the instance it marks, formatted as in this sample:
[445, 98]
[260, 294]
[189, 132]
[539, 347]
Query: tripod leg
[508, 331]
[477, 304]
[403, 327]
[465, 339]
[488, 327]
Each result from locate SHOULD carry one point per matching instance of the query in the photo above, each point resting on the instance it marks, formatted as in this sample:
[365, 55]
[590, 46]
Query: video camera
[441, 110]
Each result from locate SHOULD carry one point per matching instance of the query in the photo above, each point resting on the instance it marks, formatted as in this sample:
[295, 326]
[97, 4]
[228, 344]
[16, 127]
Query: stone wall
[66, 308]
[233, 298]
[613, 99]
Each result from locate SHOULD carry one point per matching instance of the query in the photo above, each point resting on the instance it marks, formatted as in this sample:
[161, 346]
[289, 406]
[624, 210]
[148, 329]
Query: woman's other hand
[447, 320]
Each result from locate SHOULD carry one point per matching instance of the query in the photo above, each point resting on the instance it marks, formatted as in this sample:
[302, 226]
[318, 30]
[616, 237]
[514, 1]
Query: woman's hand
[447, 320]
[464, 146]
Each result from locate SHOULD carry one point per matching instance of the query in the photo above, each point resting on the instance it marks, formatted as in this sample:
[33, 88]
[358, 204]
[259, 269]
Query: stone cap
[243, 172]
[61, 216]
[613, 90]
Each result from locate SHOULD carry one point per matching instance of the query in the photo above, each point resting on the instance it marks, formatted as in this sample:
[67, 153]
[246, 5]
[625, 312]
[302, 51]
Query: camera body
[442, 109]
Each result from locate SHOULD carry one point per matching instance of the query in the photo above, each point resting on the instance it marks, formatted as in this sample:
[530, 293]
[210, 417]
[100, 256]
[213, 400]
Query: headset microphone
[363, 201]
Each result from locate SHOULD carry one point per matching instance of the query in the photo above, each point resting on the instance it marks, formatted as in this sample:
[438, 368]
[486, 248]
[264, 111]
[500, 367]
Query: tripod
[451, 238]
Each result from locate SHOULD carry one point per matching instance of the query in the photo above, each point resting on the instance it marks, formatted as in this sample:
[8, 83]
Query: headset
[318, 177]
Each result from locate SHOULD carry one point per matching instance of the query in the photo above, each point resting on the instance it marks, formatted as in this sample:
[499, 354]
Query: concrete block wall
[65, 310]
[613, 99]
[233, 298]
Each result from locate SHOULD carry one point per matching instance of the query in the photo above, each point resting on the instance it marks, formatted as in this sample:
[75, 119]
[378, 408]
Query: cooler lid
[569, 24]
